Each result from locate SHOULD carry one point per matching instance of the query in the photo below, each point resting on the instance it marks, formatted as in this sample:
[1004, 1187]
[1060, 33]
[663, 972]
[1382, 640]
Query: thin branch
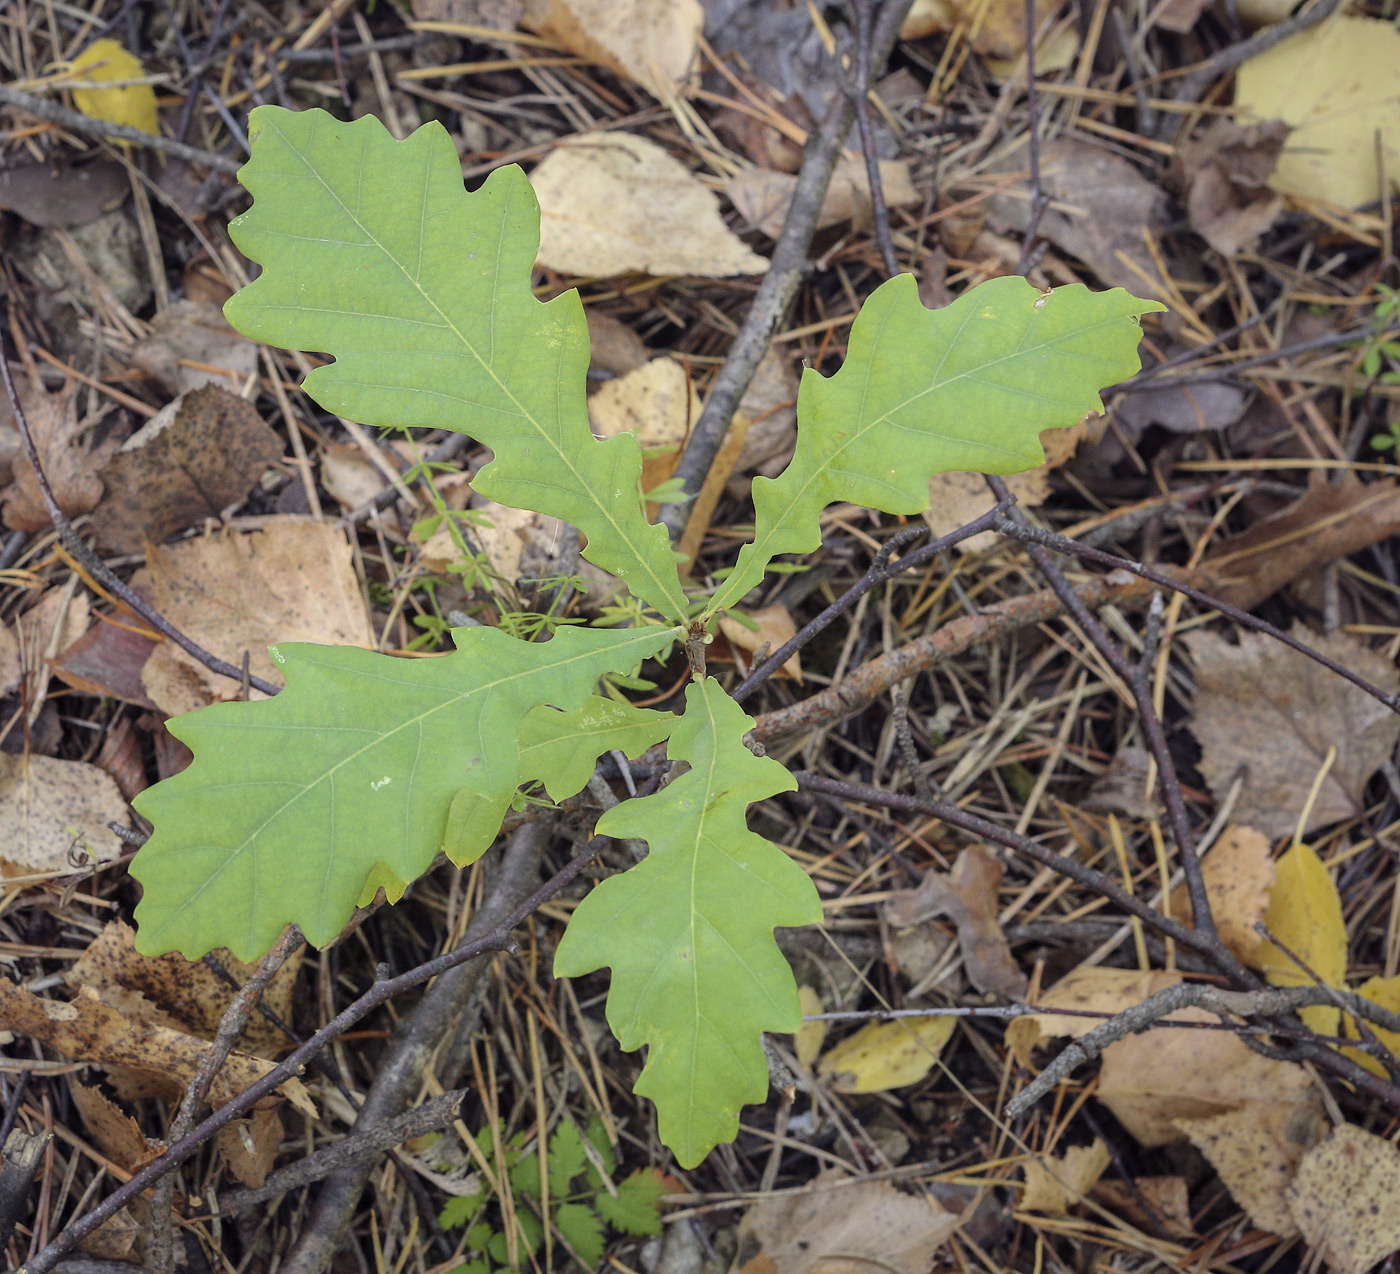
[498, 939]
[859, 89]
[77, 122]
[1039, 200]
[89, 560]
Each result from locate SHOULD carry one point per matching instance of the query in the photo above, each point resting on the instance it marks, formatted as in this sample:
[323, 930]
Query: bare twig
[1039, 200]
[497, 939]
[863, 14]
[231, 1026]
[89, 560]
[1226, 1004]
[77, 122]
[786, 268]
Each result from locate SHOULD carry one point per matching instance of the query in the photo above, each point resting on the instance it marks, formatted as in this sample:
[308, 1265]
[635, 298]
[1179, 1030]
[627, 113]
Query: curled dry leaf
[842, 1229]
[762, 196]
[47, 628]
[1305, 915]
[770, 406]
[1055, 1183]
[292, 580]
[1256, 1149]
[1228, 200]
[249, 1146]
[88, 1030]
[1346, 1199]
[191, 345]
[55, 813]
[1337, 85]
[651, 42]
[199, 455]
[612, 203]
[1267, 713]
[115, 1132]
[1239, 874]
[885, 1055]
[968, 896]
[612, 345]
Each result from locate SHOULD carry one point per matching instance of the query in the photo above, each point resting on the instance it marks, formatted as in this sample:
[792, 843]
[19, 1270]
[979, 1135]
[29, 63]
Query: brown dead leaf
[115, 1132]
[957, 498]
[762, 196]
[1326, 523]
[48, 627]
[204, 452]
[1055, 1183]
[1166, 1197]
[1122, 788]
[612, 345]
[1346, 1199]
[55, 813]
[1106, 204]
[88, 1030]
[68, 464]
[769, 405]
[1271, 714]
[775, 627]
[107, 660]
[651, 42]
[292, 580]
[1179, 409]
[968, 896]
[187, 996]
[53, 195]
[842, 1229]
[1227, 170]
[249, 1146]
[611, 203]
[1256, 1149]
[191, 345]
[1238, 874]
[1151, 1080]
[1106, 991]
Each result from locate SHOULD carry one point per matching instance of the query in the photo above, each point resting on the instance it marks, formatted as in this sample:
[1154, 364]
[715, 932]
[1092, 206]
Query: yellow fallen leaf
[885, 1055]
[1305, 915]
[1386, 993]
[131, 104]
[1055, 1183]
[1338, 85]
[810, 1037]
[1239, 877]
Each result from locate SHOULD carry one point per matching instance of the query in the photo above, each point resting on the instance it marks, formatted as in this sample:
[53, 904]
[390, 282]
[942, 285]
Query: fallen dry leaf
[116, 1133]
[769, 405]
[762, 196]
[775, 628]
[1338, 85]
[201, 454]
[1122, 788]
[1166, 1197]
[187, 995]
[1270, 714]
[1151, 1080]
[55, 813]
[997, 29]
[1256, 1149]
[1106, 991]
[1305, 915]
[658, 405]
[107, 660]
[249, 1146]
[68, 465]
[133, 105]
[957, 498]
[1055, 1183]
[191, 345]
[1386, 993]
[612, 345]
[503, 15]
[1346, 1199]
[1229, 202]
[842, 1229]
[292, 580]
[1107, 205]
[1238, 874]
[810, 1037]
[53, 195]
[518, 544]
[88, 1030]
[48, 627]
[614, 202]
[651, 42]
[968, 896]
[1326, 523]
[885, 1055]
[1180, 409]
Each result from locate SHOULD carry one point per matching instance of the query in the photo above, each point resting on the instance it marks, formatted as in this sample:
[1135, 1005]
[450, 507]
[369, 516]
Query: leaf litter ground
[1288, 456]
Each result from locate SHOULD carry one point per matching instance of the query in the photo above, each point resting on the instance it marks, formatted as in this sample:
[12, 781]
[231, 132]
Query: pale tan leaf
[611, 203]
[1168, 1203]
[1096, 989]
[775, 627]
[249, 1146]
[762, 196]
[1055, 1183]
[651, 42]
[71, 469]
[55, 813]
[1346, 1199]
[1238, 874]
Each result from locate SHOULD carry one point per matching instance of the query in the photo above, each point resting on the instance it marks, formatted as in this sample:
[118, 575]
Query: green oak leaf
[969, 387]
[290, 803]
[637, 1208]
[373, 251]
[561, 749]
[688, 932]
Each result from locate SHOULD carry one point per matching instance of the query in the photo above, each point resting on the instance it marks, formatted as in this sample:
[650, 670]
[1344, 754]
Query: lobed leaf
[291, 803]
[969, 387]
[688, 933]
[561, 749]
[372, 251]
